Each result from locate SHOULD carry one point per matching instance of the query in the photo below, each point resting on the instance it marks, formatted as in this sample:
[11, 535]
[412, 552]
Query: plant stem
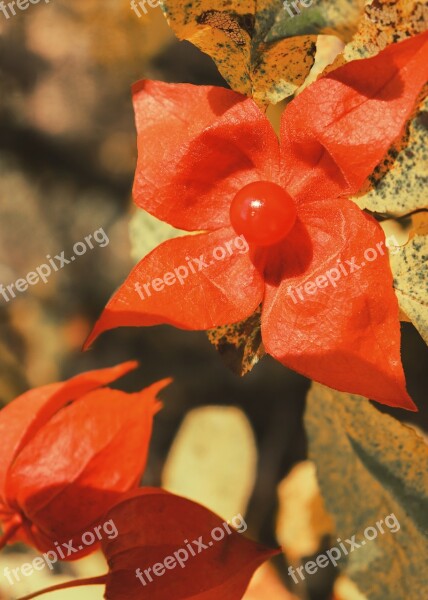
[9, 533]
[101, 580]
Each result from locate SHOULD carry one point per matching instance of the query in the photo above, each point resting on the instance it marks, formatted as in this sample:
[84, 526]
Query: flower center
[263, 212]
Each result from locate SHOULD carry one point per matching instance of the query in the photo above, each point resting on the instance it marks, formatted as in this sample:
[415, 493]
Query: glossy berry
[263, 212]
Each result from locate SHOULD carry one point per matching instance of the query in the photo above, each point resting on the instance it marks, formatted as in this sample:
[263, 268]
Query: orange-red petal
[197, 146]
[332, 321]
[338, 130]
[21, 419]
[81, 462]
[223, 291]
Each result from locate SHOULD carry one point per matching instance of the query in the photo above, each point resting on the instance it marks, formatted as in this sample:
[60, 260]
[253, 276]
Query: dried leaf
[213, 460]
[302, 519]
[385, 22]
[410, 269]
[398, 185]
[240, 344]
[261, 49]
[369, 466]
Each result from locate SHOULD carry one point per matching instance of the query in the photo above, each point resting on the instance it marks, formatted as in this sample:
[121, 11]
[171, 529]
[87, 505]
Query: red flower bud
[69, 451]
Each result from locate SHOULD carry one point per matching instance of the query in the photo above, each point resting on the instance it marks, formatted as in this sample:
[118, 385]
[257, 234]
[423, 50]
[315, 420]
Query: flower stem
[101, 580]
[9, 533]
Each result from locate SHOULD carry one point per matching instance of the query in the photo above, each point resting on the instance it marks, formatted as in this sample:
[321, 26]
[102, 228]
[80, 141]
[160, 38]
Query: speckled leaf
[260, 48]
[240, 345]
[410, 270]
[398, 186]
[371, 463]
[385, 22]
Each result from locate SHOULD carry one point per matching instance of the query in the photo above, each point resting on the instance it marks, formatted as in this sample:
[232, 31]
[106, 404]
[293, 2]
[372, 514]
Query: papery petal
[225, 290]
[153, 525]
[345, 334]
[82, 461]
[21, 419]
[198, 146]
[338, 130]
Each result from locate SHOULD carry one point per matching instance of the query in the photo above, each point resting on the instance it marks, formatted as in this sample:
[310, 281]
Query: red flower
[329, 310]
[69, 450]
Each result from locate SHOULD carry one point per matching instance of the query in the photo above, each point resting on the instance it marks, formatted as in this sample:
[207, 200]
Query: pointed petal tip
[404, 401]
[95, 332]
[101, 325]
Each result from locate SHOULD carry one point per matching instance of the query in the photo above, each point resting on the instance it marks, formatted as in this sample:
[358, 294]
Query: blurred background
[67, 157]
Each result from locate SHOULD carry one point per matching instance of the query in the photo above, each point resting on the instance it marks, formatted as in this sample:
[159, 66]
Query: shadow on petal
[289, 258]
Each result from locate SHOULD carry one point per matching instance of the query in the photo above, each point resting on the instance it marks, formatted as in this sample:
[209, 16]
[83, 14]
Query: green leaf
[240, 345]
[146, 233]
[369, 465]
[321, 17]
[260, 48]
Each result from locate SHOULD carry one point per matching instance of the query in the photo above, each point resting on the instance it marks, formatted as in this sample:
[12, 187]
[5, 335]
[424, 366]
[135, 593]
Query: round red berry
[263, 212]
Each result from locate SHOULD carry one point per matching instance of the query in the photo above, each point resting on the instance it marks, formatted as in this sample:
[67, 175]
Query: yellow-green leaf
[399, 184]
[146, 233]
[213, 460]
[410, 269]
[260, 48]
[370, 466]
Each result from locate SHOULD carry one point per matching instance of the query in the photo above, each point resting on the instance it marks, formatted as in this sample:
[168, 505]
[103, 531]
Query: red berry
[263, 212]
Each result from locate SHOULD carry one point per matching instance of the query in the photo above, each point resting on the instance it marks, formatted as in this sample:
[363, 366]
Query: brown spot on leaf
[240, 344]
[232, 25]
